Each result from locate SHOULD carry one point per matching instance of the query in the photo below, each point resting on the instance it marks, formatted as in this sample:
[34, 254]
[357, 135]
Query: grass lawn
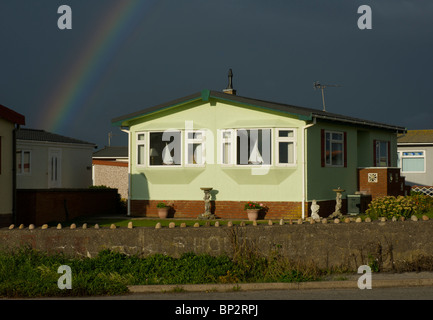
[119, 221]
[151, 222]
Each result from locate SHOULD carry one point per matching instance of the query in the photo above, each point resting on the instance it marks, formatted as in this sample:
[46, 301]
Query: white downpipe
[129, 170]
[303, 166]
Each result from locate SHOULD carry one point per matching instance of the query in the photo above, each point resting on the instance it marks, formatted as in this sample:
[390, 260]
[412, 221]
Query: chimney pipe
[229, 88]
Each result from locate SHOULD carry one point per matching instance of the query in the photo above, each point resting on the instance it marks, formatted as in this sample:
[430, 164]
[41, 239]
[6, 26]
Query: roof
[111, 152]
[41, 135]
[416, 136]
[302, 112]
[11, 116]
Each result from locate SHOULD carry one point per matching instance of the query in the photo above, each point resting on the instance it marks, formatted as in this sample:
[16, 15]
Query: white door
[54, 168]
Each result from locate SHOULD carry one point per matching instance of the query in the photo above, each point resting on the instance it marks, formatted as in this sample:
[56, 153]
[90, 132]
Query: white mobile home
[46, 160]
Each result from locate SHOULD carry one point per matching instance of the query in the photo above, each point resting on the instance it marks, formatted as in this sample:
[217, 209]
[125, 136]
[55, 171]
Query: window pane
[413, 164]
[337, 154]
[226, 153]
[166, 148]
[26, 162]
[195, 135]
[140, 154]
[382, 153]
[285, 152]
[195, 153]
[413, 153]
[227, 135]
[18, 161]
[328, 148]
[285, 133]
[337, 136]
[253, 146]
[140, 136]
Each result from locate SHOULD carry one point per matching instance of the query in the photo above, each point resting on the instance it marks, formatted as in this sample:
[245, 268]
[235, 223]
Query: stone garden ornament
[315, 210]
[338, 203]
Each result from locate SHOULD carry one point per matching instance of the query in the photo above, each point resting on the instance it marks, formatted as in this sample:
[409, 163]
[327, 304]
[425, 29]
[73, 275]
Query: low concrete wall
[327, 245]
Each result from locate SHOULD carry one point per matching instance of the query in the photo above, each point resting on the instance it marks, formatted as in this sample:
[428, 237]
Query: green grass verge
[149, 222]
[29, 273]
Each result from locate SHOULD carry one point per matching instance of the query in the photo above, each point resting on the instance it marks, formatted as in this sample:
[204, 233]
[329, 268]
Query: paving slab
[379, 280]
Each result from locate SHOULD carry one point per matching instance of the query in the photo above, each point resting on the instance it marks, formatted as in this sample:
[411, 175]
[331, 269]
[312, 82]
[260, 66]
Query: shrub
[400, 206]
[161, 205]
[253, 205]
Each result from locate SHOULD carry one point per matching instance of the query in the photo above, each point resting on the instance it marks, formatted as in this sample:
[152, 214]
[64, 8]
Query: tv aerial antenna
[317, 85]
[110, 136]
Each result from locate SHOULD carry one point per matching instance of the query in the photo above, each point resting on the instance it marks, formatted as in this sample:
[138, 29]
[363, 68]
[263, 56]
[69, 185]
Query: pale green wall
[322, 180]
[237, 183]
[232, 183]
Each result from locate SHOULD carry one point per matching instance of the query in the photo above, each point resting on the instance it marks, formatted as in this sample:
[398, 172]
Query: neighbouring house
[110, 168]
[247, 149]
[46, 160]
[9, 123]
[415, 151]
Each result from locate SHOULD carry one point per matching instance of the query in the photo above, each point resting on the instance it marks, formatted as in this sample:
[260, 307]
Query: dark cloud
[277, 49]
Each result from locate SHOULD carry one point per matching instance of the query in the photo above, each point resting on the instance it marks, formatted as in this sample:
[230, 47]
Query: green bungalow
[245, 149]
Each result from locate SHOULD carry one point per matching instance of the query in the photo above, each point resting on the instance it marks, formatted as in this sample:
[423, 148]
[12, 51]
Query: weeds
[29, 273]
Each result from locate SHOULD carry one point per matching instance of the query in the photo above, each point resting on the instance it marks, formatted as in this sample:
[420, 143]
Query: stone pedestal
[338, 202]
[207, 212]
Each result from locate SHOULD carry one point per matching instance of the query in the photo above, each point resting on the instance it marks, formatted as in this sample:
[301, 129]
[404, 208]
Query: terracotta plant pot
[163, 212]
[253, 214]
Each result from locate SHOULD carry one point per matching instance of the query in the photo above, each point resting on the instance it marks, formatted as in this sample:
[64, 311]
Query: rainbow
[85, 72]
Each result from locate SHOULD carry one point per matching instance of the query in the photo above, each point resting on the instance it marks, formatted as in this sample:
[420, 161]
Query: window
[334, 149]
[227, 153]
[285, 144]
[140, 148]
[381, 154]
[195, 147]
[412, 161]
[23, 162]
[165, 148]
[253, 147]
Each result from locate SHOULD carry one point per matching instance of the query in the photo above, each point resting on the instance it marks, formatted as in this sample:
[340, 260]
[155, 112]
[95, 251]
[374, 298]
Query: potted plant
[253, 209]
[163, 209]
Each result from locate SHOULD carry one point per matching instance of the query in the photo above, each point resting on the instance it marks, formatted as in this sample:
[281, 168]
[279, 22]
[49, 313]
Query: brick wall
[230, 209]
[5, 220]
[379, 182]
[39, 206]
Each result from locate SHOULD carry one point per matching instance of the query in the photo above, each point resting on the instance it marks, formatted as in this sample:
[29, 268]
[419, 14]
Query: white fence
[427, 190]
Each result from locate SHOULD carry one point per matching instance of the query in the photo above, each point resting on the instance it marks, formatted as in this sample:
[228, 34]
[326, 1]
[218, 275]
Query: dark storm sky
[170, 49]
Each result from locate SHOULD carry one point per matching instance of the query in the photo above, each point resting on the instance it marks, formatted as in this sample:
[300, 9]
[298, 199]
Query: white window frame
[140, 143]
[21, 170]
[236, 148]
[231, 142]
[201, 141]
[401, 156]
[180, 148]
[330, 146]
[279, 139]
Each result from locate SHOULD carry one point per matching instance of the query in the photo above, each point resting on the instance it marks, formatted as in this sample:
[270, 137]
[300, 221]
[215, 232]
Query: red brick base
[383, 182]
[232, 209]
